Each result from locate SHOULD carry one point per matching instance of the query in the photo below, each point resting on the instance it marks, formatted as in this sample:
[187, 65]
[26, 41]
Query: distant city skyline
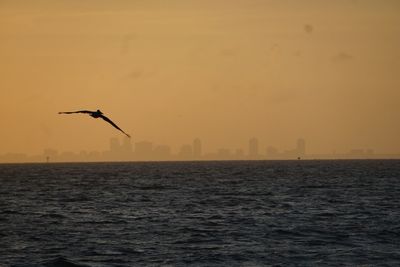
[124, 149]
[223, 71]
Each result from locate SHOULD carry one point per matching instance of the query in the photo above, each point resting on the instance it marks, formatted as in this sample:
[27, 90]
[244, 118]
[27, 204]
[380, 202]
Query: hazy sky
[221, 70]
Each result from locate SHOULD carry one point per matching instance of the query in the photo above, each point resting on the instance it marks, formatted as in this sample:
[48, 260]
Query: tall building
[127, 145]
[301, 147]
[143, 150]
[253, 148]
[126, 149]
[239, 154]
[186, 152]
[162, 152]
[50, 154]
[272, 152]
[224, 154]
[114, 145]
[197, 148]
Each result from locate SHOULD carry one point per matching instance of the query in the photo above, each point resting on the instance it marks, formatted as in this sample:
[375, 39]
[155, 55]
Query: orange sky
[221, 70]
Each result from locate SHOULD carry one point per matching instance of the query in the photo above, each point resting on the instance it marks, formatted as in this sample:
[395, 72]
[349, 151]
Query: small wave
[152, 187]
[10, 212]
[53, 216]
[62, 262]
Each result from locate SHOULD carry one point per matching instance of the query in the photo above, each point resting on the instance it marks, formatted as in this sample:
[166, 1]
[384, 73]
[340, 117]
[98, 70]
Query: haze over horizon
[224, 71]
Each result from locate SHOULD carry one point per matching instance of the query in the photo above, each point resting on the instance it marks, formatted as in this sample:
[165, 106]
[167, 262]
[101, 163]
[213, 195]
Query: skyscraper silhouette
[162, 152]
[127, 145]
[253, 147]
[301, 147]
[272, 152]
[197, 148]
[143, 150]
[114, 145]
[186, 152]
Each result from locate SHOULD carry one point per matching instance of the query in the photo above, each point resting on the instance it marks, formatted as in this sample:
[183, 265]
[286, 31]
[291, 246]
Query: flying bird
[96, 114]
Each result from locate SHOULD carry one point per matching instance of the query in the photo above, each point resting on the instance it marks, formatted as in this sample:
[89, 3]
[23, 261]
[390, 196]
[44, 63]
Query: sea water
[238, 213]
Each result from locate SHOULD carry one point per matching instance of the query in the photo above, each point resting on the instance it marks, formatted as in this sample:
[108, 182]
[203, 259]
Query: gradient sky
[221, 70]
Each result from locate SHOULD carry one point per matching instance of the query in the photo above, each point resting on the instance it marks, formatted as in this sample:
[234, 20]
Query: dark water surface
[259, 213]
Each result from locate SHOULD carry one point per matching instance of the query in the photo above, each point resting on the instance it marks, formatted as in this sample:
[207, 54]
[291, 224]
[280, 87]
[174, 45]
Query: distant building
[120, 151]
[239, 153]
[95, 156]
[359, 152]
[68, 156]
[83, 155]
[197, 149]
[50, 154]
[162, 152]
[15, 157]
[253, 148]
[272, 152]
[126, 152]
[127, 146]
[143, 150]
[298, 152]
[224, 154]
[186, 152]
[301, 147]
[114, 145]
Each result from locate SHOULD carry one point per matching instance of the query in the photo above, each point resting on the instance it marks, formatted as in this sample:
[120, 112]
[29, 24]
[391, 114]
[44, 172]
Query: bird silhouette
[96, 114]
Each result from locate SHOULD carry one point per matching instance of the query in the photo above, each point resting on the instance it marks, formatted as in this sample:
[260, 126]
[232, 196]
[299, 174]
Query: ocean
[233, 213]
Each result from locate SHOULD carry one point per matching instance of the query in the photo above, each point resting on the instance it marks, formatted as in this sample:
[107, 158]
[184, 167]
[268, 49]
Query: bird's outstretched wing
[79, 111]
[113, 124]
